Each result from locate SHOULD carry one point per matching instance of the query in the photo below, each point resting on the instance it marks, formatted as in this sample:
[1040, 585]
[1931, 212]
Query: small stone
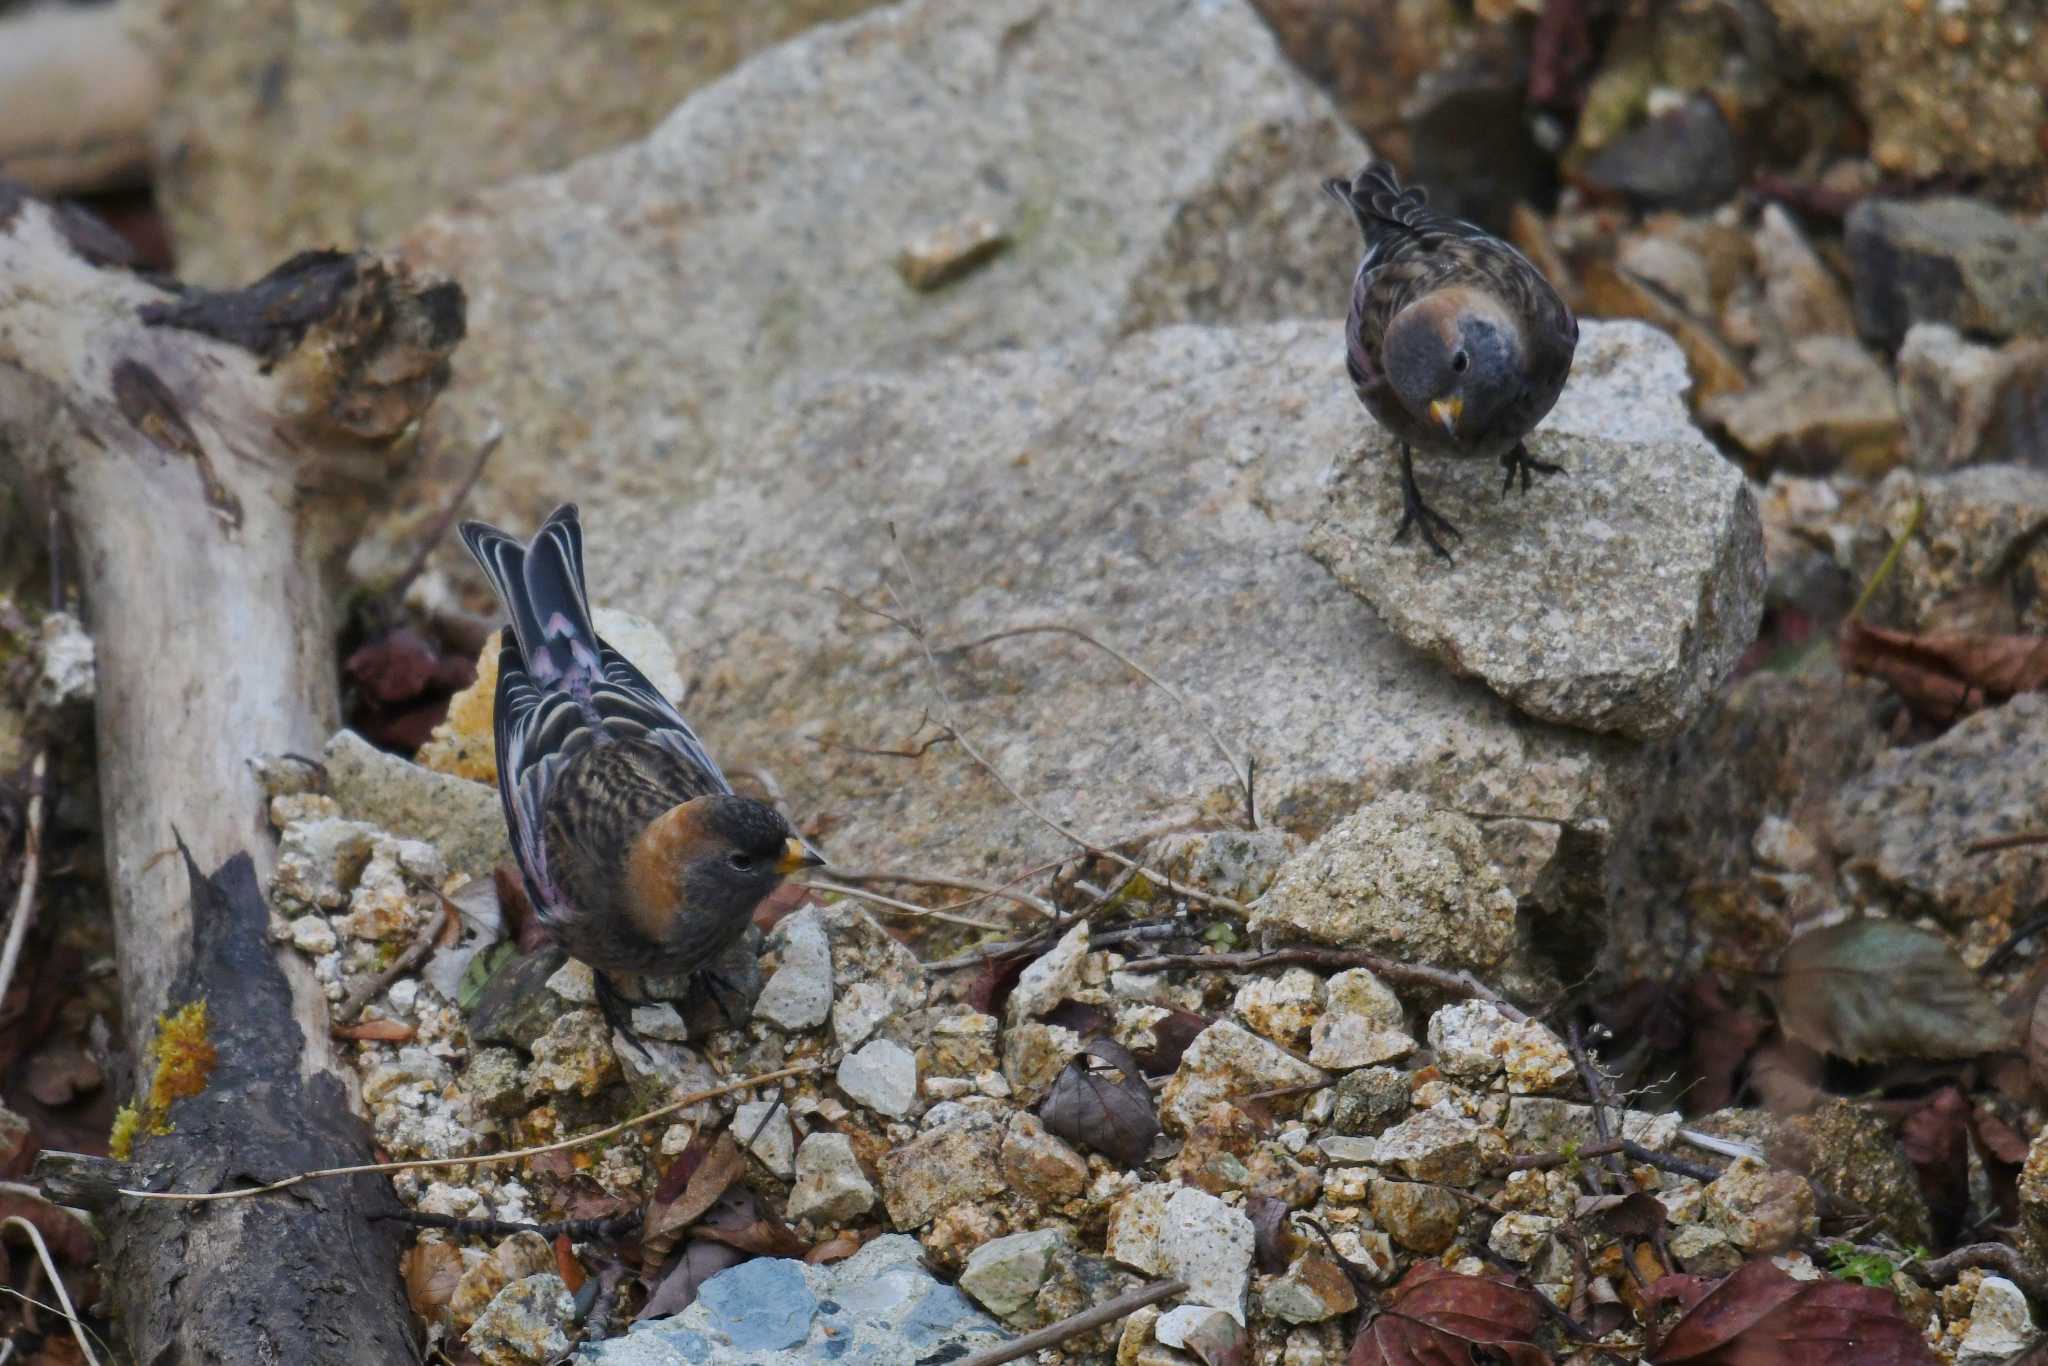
[1476, 1041]
[312, 934]
[65, 670]
[659, 1021]
[1778, 843]
[1704, 1250]
[1761, 1209]
[763, 1128]
[1541, 1124]
[1039, 1166]
[1970, 404]
[1312, 1290]
[1398, 876]
[512, 1260]
[281, 775]
[1368, 1100]
[1239, 864]
[947, 253]
[955, 1162]
[1947, 260]
[1343, 1148]
[1830, 406]
[798, 995]
[1182, 1324]
[1226, 1060]
[1004, 1274]
[1214, 1156]
[1419, 1215]
[882, 1076]
[1051, 977]
[1362, 1024]
[2001, 1326]
[962, 1042]
[1283, 1008]
[575, 983]
[463, 820]
[1528, 607]
[1802, 296]
[1034, 1053]
[574, 1056]
[831, 1187]
[1434, 1145]
[495, 1081]
[527, 1323]
[318, 862]
[664, 1071]
[1519, 1236]
[1168, 1229]
[876, 979]
[287, 807]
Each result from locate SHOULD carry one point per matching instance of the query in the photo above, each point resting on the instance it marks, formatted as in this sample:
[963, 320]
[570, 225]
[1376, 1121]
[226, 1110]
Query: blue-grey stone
[761, 1304]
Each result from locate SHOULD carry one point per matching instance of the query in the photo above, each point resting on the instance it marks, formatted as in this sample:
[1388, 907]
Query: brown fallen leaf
[837, 1248]
[566, 1265]
[431, 1271]
[1171, 1037]
[1946, 676]
[702, 1259]
[376, 1031]
[1434, 1315]
[1935, 1139]
[739, 1219]
[1758, 1315]
[61, 1072]
[1876, 990]
[709, 1173]
[1114, 1116]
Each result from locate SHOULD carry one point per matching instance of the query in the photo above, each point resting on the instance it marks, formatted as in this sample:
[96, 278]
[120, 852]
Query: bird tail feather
[1379, 201]
[541, 585]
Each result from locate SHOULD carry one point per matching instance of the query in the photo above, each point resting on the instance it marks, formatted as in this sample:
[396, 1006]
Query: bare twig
[1242, 773]
[395, 594]
[485, 1159]
[31, 863]
[890, 903]
[1725, 1147]
[1006, 892]
[35, 1236]
[1055, 1333]
[422, 944]
[908, 620]
[2000, 1257]
[1458, 984]
[2025, 839]
[1698, 1171]
[1890, 560]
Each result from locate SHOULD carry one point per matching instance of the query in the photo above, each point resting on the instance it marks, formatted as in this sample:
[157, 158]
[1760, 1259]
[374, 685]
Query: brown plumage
[636, 852]
[1454, 342]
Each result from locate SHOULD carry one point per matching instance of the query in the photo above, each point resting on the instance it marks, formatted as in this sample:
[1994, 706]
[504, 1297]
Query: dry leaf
[739, 1219]
[1759, 1316]
[836, 1248]
[1434, 1315]
[702, 1259]
[1875, 990]
[1273, 1242]
[1114, 1117]
[1220, 1340]
[708, 1172]
[376, 1031]
[432, 1271]
[1720, 1038]
[1171, 1037]
[1943, 677]
[566, 1265]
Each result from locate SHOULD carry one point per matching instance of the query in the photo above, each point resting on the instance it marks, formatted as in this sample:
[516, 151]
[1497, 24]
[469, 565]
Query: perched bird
[636, 852]
[1455, 342]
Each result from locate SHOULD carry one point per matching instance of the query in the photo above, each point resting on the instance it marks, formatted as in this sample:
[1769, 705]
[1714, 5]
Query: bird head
[717, 856]
[1455, 359]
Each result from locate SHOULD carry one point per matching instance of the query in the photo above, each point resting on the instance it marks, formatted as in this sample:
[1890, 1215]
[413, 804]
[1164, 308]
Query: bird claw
[1519, 461]
[1415, 512]
[617, 1008]
[723, 993]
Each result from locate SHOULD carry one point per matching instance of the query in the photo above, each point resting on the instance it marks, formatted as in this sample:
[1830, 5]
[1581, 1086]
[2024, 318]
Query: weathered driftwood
[211, 456]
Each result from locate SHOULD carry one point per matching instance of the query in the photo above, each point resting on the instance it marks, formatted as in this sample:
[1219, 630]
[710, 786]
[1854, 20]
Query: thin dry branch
[1001, 891]
[1462, 985]
[483, 1159]
[56, 1280]
[910, 908]
[31, 867]
[1055, 1333]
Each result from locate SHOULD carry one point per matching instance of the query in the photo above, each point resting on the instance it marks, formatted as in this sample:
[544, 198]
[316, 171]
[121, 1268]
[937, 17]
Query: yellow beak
[796, 854]
[1447, 411]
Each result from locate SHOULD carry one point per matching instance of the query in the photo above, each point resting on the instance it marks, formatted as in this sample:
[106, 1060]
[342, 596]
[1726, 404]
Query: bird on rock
[1455, 342]
[637, 854]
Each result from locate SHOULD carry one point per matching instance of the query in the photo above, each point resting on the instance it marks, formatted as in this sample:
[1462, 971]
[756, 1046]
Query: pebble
[831, 1187]
[882, 1076]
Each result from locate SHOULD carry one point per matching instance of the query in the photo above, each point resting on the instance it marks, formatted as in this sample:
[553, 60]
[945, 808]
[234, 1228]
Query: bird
[1454, 341]
[636, 853]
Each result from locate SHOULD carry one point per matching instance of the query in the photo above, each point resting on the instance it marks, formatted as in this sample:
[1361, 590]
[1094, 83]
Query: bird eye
[1459, 361]
[741, 863]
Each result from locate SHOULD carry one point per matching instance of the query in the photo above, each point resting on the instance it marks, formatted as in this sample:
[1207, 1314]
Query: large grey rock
[635, 312]
[277, 132]
[464, 820]
[1159, 495]
[1903, 830]
[1615, 596]
[1955, 261]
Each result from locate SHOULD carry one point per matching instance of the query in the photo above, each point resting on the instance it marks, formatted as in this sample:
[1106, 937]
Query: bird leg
[1415, 512]
[723, 993]
[1519, 461]
[617, 1008]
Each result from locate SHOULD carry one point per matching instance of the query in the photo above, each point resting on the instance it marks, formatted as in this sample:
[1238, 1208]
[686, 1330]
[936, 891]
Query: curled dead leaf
[1758, 1315]
[1434, 1315]
[1876, 990]
[1114, 1116]
[1945, 676]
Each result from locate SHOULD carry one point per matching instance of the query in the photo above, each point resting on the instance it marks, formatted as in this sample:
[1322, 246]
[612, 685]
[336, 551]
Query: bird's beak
[796, 855]
[1447, 411]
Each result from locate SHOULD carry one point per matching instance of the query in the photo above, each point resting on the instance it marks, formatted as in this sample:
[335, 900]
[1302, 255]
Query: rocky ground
[1586, 949]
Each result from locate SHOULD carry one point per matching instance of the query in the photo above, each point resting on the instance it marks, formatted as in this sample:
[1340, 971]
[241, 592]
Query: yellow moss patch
[180, 1060]
[464, 744]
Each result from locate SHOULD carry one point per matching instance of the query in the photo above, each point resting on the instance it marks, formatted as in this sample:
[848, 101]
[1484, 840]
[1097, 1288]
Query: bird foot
[1519, 461]
[731, 1002]
[1416, 513]
[617, 1008]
